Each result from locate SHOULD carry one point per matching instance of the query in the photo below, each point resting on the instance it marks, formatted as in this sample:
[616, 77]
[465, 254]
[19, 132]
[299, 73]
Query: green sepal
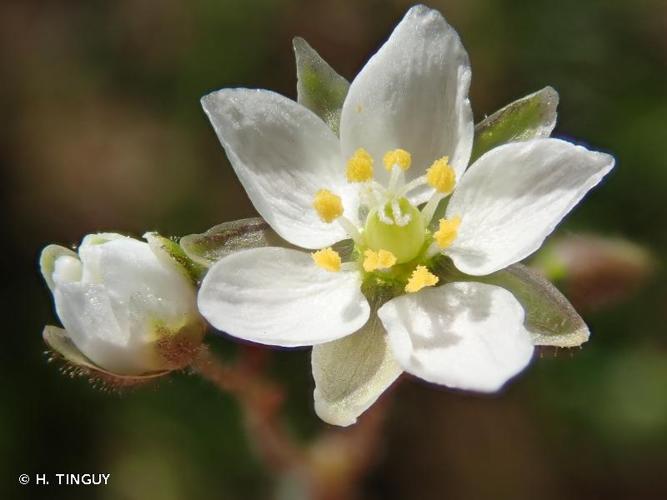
[530, 117]
[207, 248]
[352, 372]
[76, 363]
[550, 318]
[319, 87]
[171, 253]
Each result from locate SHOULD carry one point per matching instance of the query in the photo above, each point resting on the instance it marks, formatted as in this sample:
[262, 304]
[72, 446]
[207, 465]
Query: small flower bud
[128, 311]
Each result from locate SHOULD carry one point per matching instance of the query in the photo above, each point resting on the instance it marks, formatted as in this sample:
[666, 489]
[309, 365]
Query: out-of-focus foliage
[597, 272]
[102, 130]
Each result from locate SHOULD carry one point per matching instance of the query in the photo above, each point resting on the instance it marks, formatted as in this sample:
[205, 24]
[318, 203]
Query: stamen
[327, 259]
[431, 206]
[371, 196]
[421, 277]
[414, 183]
[382, 259]
[379, 188]
[441, 176]
[398, 157]
[328, 205]
[447, 232]
[395, 181]
[360, 166]
[350, 229]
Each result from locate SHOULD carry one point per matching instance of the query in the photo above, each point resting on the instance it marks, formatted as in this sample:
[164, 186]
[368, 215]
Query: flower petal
[351, 373]
[47, 263]
[283, 154]
[513, 197]
[462, 335]
[550, 318]
[413, 94]
[87, 314]
[130, 270]
[278, 296]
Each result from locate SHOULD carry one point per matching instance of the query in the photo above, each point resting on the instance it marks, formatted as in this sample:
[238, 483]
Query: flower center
[397, 227]
[394, 242]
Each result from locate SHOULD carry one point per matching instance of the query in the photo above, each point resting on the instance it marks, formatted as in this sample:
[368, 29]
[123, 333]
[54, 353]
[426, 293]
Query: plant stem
[329, 468]
[261, 401]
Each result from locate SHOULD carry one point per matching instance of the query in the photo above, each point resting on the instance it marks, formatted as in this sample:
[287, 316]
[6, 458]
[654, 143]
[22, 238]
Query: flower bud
[129, 311]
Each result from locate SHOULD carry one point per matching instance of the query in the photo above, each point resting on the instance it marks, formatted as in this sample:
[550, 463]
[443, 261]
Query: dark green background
[101, 129]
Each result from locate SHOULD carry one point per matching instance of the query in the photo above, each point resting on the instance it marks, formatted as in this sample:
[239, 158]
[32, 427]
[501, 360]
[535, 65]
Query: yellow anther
[327, 259]
[441, 176]
[360, 166]
[447, 232]
[421, 277]
[382, 259]
[328, 205]
[398, 157]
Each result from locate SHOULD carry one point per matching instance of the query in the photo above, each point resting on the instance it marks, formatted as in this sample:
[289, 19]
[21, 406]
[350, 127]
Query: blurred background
[102, 130]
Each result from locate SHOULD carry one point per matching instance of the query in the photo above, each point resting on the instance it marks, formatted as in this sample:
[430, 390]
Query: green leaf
[550, 317]
[530, 117]
[319, 87]
[207, 248]
[170, 252]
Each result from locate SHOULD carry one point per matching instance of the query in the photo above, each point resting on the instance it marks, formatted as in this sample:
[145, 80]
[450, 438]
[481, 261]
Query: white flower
[124, 307]
[406, 134]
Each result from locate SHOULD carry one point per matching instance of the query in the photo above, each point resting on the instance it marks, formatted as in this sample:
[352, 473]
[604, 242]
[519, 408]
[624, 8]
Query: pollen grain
[327, 205]
[327, 259]
[421, 277]
[398, 157]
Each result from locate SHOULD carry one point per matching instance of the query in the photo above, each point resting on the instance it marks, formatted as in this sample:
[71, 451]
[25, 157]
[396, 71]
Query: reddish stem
[332, 466]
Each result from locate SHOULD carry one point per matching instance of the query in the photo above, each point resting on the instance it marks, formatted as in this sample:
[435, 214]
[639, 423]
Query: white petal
[115, 300]
[462, 335]
[280, 297]
[129, 270]
[67, 269]
[47, 263]
[89, 253]
[513, 197]
[283, 154]
[351, 373]
[413, 94]
[87, 314]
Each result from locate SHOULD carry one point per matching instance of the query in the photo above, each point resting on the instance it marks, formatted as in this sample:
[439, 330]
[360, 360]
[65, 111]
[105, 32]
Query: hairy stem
[331, 467]
[261, 401]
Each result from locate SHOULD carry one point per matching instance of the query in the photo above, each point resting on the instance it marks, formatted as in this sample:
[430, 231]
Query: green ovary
[405, 242]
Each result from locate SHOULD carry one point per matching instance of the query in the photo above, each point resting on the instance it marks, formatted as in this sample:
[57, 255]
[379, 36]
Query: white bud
[125, 309]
